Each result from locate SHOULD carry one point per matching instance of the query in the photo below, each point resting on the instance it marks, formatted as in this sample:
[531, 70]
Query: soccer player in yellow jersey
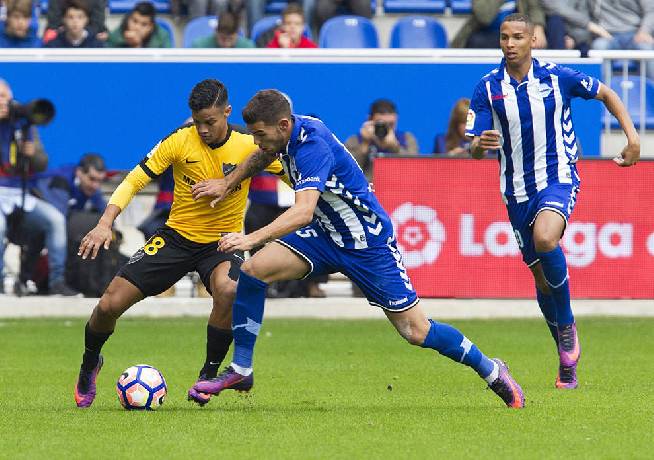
[206, 149]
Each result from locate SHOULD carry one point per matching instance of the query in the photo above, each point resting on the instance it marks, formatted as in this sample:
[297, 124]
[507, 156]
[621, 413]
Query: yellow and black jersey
[194, 161]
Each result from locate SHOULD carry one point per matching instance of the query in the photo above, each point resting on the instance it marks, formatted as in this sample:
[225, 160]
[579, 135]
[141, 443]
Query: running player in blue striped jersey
[336, 224]
[522, 109]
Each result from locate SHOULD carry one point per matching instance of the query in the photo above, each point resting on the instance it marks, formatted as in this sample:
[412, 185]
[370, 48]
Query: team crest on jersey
[470, 120]
[228, 168]
[545, 89]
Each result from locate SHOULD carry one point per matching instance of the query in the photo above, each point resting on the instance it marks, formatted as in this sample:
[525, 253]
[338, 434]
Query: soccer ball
[141, 387]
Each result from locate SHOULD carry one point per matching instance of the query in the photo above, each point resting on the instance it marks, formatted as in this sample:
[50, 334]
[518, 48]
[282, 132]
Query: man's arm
[220, 188]
[631, 153]
[295, 217]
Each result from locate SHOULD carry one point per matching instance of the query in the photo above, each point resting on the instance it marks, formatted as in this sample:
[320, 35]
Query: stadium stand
[348, 32]
[169, 28]
[414, 6]
[197, 28]
[630, 92]
[125, 6]
[460, 6]
[418, 32]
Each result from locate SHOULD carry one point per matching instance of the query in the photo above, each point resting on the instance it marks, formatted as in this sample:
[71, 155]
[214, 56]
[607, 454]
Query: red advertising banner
[454, 233]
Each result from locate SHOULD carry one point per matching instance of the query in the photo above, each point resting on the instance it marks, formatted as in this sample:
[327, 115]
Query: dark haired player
[206, 148]
[336, 224]
[522, 109]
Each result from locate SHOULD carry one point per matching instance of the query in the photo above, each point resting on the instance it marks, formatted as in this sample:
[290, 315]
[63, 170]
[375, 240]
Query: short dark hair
[207, 93]
[382, 106]
[268, 106]
[91, 160]
[22, 7]
[520, 17]
[293, 8]
[76, 5]
[227, 23]
[145, 9]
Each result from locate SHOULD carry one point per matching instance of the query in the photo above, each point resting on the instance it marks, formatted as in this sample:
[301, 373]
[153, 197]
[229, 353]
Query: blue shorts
[560, 198]
[378, 271]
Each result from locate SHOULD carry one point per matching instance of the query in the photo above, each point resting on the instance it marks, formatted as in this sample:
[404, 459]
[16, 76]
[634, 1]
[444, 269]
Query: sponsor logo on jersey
[555, 203]
[545, 89]
[308, 179]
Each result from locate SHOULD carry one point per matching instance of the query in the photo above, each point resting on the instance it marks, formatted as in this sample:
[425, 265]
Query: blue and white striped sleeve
[313, 160]
[480, 114]
[578, 84]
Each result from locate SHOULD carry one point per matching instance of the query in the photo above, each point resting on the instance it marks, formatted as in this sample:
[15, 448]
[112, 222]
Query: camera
[381, 129]
[36, 112]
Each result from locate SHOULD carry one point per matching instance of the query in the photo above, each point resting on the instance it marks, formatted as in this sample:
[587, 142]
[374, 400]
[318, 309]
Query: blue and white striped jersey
[347, 210]
[539, 146]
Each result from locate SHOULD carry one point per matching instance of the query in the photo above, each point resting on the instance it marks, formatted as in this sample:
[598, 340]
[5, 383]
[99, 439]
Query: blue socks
[556, 275]
[246, 320]
[548, 308]
[449, 342]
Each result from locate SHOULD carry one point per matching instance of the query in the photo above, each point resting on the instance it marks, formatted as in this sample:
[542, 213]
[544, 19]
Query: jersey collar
[502, 74]
[216, 145]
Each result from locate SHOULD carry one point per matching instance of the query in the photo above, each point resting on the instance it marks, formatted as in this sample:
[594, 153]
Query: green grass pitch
[330, 389]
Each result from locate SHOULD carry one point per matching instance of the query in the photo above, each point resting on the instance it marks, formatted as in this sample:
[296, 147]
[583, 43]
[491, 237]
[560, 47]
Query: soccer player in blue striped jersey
[522, 109]
[336, 224]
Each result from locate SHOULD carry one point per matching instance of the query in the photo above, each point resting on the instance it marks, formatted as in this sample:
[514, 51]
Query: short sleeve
[313, 161]
[578, 84]
[160, 157]
[480, 114]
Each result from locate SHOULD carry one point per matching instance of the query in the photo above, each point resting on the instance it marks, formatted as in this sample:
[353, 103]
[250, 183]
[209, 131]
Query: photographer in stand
[25, 212]
[379, 134]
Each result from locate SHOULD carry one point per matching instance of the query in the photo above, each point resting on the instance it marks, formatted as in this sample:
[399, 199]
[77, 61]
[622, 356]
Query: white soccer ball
[141, 387]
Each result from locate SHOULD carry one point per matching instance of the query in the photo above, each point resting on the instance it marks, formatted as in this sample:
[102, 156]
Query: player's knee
[544, 242]
[251, 268]
[224, 291]
[108, 307]
[412, 332]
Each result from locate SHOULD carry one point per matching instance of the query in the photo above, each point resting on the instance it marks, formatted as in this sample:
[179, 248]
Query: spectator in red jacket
[291, 33]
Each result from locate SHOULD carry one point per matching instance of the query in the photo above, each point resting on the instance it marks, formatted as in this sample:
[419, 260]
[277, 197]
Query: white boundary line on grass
[329, 308]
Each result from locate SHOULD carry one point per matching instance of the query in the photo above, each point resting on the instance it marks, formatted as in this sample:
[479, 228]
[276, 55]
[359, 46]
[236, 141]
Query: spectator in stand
[454, 142]
[74, 34]
[139, 29]
[162, 205]
[225, 35]
[327, 9]
[96, 13]
[15, 32]
[482, 29]
[379, 134]
[25, 210]
[291, 33]
[629, 24]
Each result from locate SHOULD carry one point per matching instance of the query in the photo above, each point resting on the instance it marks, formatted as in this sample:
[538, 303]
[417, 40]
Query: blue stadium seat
[125, 6]
[348, 32]
[168, 27]
[43, 6]
[632, 85]
[269, 22]
[418, 32]
[275, 6]
[461, 6]
[414, 6]
[198, 28]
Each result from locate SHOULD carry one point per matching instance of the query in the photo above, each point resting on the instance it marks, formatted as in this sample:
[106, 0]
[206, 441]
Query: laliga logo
[420, 234]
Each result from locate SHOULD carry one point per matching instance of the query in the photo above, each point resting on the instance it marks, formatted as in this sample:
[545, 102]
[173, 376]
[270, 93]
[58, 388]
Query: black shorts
[167, 256]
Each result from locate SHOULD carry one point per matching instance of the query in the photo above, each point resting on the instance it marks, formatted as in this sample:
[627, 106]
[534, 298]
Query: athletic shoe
[569, 354]
[566, 379]
[196, 396]
[228, 379]
[507, 388]
[85, 388]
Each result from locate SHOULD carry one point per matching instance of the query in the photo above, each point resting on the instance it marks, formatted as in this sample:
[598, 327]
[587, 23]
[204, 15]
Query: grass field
[322, 391]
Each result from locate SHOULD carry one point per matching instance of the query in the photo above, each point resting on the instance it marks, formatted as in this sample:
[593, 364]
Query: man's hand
[629, 155]
[541, 39]
[643, 37]
[100, 236]
[28, 149]
[133, 38]
[235, 242]
[216, 188]
[598, 30]
[367, 131]
[490, 140]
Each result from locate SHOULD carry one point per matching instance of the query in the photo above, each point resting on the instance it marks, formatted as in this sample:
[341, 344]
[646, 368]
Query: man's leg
[48, 219]
[414, 326]
[547, 231]
[274, 262]
[545, 300]
[117, 298]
